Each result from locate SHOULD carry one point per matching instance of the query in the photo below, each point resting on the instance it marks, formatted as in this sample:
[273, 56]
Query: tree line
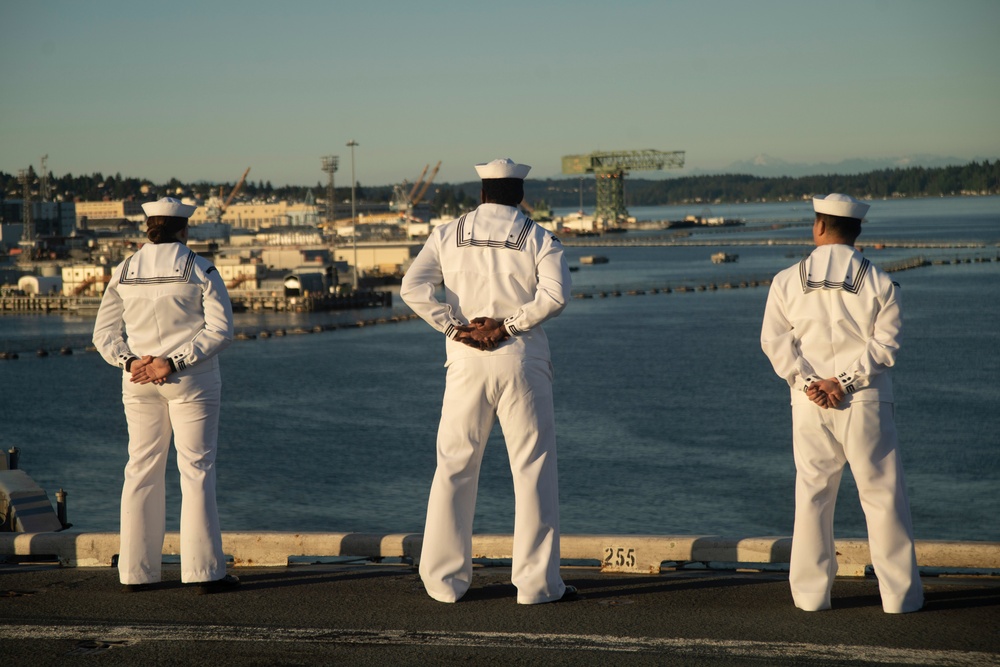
[974, 178]
[971, 179]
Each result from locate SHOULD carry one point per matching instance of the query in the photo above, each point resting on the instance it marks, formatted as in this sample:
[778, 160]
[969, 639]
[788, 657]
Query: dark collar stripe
[183, 277]
[516, 244]
[827, 284]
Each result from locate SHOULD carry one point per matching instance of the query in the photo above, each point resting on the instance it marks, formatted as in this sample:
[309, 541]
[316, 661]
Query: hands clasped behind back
[825, 393]
[482, 333]
[150, 369]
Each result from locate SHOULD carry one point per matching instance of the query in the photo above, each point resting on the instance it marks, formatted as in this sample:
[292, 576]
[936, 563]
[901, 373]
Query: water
[670, 419]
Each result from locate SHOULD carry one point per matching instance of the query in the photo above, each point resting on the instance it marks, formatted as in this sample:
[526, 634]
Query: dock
[670, 241]
[48, 303]
[632, 554]
[374, 611]
[277, 302]
[241, 300]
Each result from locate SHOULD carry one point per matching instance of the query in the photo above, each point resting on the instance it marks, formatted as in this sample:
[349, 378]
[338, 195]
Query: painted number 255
[619, 556]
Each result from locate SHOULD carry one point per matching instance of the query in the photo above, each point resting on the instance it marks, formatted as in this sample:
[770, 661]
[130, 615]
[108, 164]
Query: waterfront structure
[578, 222]
[210, 231]
[49, 218]
[39, 285]
[270, 268]
[10, 234]
[610, 169]
[290, 235]
[241, 273]
[418, 230]
[85, 279]
[105, 232]
[260, 215]
[379, 258]
[289, 258]
[123, 209]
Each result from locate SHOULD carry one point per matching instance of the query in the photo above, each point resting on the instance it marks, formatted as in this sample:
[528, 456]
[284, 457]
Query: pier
[271, 301]
[48, 303]
[628, 554]
[311, 598]
[681, 240]
[693, 285]
[253, 301]
[372, 611]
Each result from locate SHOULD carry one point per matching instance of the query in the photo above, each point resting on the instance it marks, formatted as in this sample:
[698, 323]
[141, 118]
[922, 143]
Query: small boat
[724, 258]
[593, 259]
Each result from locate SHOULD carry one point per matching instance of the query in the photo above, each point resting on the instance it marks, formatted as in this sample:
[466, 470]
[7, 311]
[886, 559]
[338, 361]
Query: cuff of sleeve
[807, 381]
[450, 331]
[849, 382]
[508, 324]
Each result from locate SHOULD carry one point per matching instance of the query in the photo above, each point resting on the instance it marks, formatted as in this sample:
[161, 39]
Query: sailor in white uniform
[163, 320]
[831, 330]
[503, 276]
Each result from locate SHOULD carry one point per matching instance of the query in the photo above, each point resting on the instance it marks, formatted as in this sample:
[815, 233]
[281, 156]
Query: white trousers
[186, 407]
[479, 391]
[862, 434]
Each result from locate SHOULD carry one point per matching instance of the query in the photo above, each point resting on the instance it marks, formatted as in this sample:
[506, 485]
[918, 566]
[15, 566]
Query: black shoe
[570, 594]
[137, 588]
[227, 583]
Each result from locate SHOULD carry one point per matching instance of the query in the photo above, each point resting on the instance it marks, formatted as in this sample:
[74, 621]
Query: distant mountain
[769, 166]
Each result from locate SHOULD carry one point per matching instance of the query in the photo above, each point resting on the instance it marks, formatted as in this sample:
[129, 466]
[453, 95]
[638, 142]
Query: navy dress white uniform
[493, 262]
[835, 315]
[165, 301]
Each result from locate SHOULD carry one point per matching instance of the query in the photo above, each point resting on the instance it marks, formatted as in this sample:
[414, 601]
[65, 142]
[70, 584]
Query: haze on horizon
[200, 91]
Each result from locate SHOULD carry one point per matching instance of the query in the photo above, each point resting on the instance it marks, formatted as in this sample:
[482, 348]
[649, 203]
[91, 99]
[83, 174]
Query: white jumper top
[833, 315]
[165, 301]
[493, 262]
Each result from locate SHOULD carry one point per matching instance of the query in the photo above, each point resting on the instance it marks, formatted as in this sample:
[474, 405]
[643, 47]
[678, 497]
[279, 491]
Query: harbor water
[669, 417]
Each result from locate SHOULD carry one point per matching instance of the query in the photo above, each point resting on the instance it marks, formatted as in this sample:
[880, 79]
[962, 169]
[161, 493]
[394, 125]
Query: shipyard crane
[239, 184]
[217, 210]
[405, 201]
[416, 185]
[414, 200]
[610, 168]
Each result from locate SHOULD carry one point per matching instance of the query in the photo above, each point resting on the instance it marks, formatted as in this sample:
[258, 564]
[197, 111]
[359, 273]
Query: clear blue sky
[203, 89]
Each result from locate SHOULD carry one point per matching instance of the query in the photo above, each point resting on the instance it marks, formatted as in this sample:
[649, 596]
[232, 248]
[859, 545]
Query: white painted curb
[615, 553]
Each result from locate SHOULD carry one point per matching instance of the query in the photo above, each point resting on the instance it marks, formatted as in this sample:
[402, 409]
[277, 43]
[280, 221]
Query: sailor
[831, 330]
[503, 276]
[163, 320]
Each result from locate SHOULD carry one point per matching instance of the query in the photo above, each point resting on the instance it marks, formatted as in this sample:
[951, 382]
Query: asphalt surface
[368, 614]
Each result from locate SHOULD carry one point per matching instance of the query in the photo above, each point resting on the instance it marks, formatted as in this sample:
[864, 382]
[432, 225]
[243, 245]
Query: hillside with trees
[975, 178]
[971, 179]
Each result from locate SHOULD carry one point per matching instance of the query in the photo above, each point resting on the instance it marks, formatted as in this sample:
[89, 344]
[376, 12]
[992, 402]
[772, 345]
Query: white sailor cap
[841, 205]
[168, 206]
[503, 168]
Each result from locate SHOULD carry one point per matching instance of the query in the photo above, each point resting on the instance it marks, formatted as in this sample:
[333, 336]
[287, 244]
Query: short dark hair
[506, 191]
[164, 228]
[845, 229]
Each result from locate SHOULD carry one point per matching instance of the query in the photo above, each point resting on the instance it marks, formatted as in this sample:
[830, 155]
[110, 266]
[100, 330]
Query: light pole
[330, 167]
[354, 217]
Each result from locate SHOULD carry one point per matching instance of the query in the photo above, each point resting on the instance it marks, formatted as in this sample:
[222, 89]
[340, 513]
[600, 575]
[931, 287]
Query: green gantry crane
[610, 168]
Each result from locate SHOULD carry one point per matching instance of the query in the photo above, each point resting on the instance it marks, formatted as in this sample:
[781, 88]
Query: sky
[201, 90]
